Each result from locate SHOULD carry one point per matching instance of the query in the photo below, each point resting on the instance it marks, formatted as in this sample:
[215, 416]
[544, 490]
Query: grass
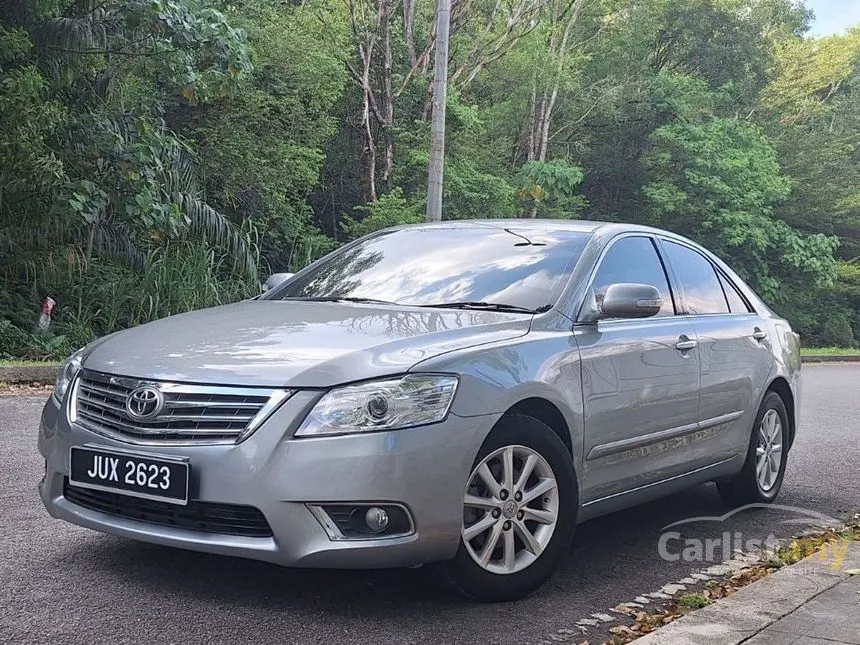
[830, 351]
[694, 601]
[20, 363]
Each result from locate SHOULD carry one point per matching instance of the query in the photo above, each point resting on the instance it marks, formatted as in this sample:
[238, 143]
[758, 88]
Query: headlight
[67, 373]
[413, 400]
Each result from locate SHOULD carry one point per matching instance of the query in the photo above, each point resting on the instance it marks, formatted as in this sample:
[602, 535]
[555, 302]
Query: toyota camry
[460, 393]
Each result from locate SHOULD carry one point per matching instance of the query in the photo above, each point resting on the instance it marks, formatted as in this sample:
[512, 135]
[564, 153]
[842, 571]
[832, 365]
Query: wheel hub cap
[769, 450]
[510, 509]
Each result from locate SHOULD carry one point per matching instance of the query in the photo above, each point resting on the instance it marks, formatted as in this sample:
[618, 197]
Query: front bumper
[423, 469]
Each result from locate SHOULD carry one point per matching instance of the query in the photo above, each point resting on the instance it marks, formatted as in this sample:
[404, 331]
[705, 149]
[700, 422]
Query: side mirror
[625, 300]
[275, 279]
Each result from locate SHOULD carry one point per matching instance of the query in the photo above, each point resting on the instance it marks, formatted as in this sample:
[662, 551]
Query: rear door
[734, 353]
[640, 381]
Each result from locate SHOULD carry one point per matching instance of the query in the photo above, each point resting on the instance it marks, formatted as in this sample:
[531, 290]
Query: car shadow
[612, 559]
[596, 548]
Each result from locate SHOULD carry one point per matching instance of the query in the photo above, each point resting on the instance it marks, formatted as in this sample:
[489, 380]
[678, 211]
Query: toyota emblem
[144, 403]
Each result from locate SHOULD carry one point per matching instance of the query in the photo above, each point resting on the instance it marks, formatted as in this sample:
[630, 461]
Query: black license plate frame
[165, 479]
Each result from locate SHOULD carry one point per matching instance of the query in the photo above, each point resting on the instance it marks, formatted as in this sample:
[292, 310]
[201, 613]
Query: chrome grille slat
[190, 412]
[177, 405]
[127, 435]
[100, 391]
[244, 418]
[163, 427]
[85, 397]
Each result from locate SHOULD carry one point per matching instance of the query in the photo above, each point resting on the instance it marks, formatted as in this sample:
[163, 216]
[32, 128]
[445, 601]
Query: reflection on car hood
[295, 344]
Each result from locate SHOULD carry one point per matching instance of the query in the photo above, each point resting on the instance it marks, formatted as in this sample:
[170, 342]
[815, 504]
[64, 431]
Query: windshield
[519, 267]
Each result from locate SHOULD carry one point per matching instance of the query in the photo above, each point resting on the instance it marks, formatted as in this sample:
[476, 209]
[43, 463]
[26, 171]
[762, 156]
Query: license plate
[136, 475]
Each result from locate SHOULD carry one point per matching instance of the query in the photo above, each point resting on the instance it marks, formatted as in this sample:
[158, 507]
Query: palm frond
[179, 173]
[74, 35]
[213, 226]
[115, 241]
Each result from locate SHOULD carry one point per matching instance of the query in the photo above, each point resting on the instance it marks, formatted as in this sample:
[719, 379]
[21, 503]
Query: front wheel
[519, 511]
[764, 469]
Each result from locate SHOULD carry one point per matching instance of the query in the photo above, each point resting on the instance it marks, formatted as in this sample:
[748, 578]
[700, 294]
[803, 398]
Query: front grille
[205, 517]
[193, 412]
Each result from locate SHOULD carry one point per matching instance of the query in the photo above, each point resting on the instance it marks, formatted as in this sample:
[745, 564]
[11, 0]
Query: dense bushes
[160, 156]
[107, 296]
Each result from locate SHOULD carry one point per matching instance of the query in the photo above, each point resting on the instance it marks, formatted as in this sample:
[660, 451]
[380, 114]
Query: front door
[640, 381]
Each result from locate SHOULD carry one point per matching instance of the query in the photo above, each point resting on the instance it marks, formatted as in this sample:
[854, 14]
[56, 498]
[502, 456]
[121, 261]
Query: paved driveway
[64, 584]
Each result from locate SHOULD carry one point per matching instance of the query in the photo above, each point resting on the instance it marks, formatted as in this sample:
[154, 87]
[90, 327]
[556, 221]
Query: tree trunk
[557, 49]
[409, 31]
[369, 139]
[530, 143]
[387, 97]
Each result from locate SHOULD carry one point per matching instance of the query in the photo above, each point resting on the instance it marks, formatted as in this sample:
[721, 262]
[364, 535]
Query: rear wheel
[519, 510]
[764, 469]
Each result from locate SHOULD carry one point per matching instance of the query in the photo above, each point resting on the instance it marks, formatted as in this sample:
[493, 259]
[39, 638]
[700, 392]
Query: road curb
[735, 619]
[28, 373]
[848, 358]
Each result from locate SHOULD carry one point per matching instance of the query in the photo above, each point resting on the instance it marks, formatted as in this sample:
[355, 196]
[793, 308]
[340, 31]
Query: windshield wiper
[338, 299]
[488, 306]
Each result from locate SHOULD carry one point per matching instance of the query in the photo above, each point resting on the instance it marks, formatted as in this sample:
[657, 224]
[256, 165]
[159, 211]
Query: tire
[504, 578]
[750, 486]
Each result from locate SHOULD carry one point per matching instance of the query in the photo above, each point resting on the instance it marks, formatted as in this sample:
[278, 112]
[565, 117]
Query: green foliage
[90, 167]
[389, 210]
[261, 147]
[718, 182]
[694, 600]
[550, 188]
[56, 344]
[162, 155]
[829, 351]
[476, 185]
[12, 339]
[171, 280]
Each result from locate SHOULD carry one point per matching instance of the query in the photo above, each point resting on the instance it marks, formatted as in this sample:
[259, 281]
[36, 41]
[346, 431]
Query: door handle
[758, 334]
[685, 343]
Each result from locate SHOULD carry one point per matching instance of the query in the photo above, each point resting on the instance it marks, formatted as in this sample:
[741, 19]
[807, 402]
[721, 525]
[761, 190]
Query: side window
[702, 291]
[634, 259]
[737, 304]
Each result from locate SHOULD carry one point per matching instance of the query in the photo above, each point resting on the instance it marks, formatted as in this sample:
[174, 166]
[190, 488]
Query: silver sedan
[461, 393]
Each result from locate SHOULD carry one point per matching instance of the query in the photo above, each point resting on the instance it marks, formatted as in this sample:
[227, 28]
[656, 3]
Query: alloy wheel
[510, 509]
[769, 450]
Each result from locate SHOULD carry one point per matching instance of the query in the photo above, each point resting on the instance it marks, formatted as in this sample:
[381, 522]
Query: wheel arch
[546, 412]
[780, 386]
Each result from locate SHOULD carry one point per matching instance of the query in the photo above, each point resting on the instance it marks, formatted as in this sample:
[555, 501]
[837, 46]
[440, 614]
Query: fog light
[376, 519]
[363, 521]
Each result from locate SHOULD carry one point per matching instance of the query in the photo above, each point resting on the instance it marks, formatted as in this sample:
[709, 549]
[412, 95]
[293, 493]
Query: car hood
[294, 343]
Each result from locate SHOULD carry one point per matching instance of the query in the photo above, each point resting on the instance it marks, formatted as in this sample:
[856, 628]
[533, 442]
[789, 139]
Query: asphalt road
[63, 584]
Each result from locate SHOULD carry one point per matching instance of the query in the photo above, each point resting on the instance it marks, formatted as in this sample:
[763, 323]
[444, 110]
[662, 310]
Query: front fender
[543, 364]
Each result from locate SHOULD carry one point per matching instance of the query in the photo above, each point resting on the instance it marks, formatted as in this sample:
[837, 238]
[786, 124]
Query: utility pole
[436, 166]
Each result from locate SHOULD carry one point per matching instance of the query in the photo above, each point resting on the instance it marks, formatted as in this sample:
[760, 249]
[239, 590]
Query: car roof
[583, 226]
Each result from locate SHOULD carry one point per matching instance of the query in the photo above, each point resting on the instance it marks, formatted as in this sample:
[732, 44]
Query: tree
[150, 145]
[718, 182]
[114, 177]
[262, 146]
